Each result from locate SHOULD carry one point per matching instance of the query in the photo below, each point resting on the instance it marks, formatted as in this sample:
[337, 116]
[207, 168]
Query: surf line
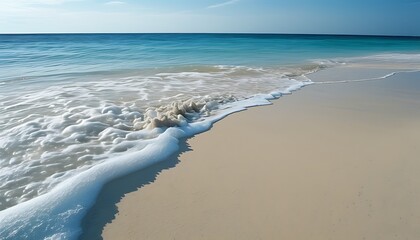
[368, 79]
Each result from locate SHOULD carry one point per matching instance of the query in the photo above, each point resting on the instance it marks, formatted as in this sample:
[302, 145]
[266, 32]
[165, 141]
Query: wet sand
[331, 161]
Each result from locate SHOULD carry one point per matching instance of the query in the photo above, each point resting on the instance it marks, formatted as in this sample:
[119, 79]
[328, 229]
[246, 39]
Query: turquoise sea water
[78, 110]
[55, 58]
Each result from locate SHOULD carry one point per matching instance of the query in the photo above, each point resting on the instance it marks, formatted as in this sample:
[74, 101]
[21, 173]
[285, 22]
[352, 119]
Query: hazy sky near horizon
[382, 17]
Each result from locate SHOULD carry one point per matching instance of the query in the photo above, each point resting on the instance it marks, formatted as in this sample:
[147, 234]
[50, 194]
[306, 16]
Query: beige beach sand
[331, 161]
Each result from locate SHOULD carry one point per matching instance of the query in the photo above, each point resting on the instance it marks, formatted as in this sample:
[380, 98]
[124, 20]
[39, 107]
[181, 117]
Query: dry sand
[331, 161]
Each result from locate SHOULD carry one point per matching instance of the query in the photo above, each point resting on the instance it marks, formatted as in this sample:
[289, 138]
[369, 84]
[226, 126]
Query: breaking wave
[60, 144]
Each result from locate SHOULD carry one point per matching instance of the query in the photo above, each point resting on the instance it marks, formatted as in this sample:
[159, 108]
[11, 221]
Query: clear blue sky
[383, 17]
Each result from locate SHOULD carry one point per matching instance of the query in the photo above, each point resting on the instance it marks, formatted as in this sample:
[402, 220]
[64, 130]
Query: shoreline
[68, 129]
[189, 158]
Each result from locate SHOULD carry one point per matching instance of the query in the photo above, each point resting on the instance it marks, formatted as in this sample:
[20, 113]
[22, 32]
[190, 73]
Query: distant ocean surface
[79, 110]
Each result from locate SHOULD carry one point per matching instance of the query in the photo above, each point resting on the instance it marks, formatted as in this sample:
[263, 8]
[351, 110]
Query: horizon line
[215, 33]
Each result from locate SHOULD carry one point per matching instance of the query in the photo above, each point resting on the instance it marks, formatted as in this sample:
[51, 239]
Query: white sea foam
[388, 60]
[368, 79]
[59, 145]
[393, 57]
[396, 63]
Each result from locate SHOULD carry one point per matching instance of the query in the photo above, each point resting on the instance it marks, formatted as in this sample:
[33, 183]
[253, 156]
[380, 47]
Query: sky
[367, 17]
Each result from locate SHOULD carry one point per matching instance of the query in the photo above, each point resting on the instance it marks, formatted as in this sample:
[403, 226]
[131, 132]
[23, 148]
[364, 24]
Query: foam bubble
[387, 60]
[60, 156]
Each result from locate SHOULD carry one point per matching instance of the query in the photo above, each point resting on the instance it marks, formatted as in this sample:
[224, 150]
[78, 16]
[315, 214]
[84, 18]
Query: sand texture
[331, 161]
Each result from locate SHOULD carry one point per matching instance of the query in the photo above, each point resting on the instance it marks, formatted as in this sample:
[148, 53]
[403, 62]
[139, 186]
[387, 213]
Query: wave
[385, 60]
[368, 79]
[60, 145]
[391, 57]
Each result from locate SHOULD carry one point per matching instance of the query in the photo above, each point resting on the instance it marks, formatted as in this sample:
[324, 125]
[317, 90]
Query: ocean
[79, 110]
